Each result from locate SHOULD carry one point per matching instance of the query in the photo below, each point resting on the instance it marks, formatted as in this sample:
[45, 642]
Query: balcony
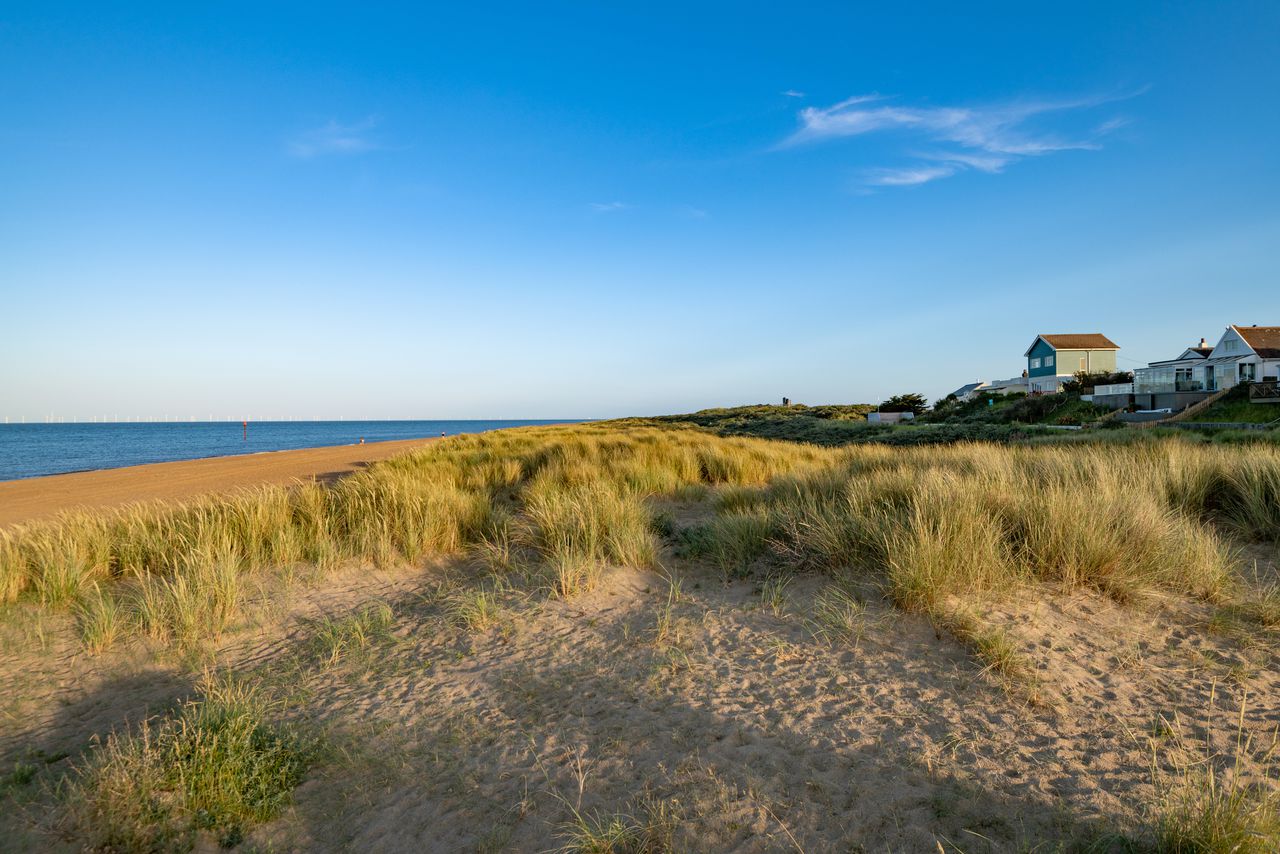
[1267, 391]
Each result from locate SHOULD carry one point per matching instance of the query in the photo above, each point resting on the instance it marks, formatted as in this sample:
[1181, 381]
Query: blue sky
[590, 210]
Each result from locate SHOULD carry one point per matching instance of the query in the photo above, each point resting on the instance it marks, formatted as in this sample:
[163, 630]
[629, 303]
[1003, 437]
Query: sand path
[38, 497]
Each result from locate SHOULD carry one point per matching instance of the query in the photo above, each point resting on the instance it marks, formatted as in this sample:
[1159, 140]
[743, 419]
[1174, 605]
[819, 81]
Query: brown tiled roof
[1083, 341]
[1265, 340]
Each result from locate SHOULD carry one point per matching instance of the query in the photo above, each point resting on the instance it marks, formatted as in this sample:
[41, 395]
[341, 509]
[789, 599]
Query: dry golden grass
[927, 524]
[1208, 804]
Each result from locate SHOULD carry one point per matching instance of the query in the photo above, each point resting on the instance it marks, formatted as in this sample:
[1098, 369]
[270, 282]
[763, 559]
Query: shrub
[219, 764]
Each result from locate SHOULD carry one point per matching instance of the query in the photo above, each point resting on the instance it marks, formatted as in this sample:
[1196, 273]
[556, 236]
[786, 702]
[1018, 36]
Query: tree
[944, 403]
[913, 403]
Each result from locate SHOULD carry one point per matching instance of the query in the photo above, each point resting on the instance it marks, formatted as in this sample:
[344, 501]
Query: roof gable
[1263, 340]
[1075, 341]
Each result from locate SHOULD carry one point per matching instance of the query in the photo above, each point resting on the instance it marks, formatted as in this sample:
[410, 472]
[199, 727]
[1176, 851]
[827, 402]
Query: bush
[218, 765]
[1083, 382]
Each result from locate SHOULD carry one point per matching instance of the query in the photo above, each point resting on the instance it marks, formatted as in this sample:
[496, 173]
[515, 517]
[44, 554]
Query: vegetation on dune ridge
[567, 501]
[838, 425]
[563, 503]
[997, 418]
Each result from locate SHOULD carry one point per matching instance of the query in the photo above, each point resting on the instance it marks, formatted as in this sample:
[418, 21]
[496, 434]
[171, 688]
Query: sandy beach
[39, 497]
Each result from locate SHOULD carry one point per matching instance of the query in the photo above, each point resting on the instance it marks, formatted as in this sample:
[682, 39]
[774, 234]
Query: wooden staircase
[1193, 409]
[1197, 408]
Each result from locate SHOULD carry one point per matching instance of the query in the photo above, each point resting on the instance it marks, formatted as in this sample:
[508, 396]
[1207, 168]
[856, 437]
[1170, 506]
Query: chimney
[1203, 344]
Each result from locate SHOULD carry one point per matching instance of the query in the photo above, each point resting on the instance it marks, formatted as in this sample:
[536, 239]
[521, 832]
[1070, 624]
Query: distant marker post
[245, 425]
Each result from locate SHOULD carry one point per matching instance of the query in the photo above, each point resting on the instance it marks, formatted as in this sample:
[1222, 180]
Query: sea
[33, 450]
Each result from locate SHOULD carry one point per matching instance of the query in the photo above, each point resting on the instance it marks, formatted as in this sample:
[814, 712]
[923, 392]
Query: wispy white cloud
[982, 162]
[609, 207]
[1111, 124]
[909, 176]
[792, 93]
[336, 138]
[986, 138]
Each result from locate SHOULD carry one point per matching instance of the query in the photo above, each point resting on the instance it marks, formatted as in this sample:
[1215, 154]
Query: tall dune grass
[930, 523]
[937, 523]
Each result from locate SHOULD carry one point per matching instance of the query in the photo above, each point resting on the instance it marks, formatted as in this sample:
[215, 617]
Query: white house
[969, 390]
[1243, 354]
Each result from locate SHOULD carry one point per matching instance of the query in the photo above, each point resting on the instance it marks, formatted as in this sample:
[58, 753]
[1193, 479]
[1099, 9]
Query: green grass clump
[1214, 804]
[576, 528]
[473, 609]
[735, 540]
[1202, 815]
[839, 616]
[650, 832]
[196, 602]
[336, 637]
[101, 619]
[606, 834]
[20, 775]
[217, 765]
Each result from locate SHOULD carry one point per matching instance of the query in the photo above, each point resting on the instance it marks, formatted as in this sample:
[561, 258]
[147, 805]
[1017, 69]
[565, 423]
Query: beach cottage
[1244, 354]
[1054, 359]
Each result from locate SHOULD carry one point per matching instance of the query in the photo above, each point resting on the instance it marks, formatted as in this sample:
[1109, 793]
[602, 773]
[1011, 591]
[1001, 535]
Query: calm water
[31, 450]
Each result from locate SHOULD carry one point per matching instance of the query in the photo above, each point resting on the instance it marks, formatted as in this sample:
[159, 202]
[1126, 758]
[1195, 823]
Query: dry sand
[37, 497]
[729, 718]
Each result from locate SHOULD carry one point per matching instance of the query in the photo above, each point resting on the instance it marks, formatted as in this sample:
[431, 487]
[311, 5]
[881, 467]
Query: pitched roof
[1265, 340]
[968, 387]
[1077, 341]
[1187, 355]
[1191, 353]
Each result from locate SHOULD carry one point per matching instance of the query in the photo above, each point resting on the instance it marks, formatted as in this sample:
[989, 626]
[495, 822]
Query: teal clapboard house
[1053, 359]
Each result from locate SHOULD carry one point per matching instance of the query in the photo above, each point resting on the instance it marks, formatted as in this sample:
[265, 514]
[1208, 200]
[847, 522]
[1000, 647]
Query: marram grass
[926, 523]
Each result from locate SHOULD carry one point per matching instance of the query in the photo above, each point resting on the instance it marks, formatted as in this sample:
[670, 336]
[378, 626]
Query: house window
[1184, 380]
[1048, 361]
[1035, 363]
[1230, 345]
[1248, 372]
